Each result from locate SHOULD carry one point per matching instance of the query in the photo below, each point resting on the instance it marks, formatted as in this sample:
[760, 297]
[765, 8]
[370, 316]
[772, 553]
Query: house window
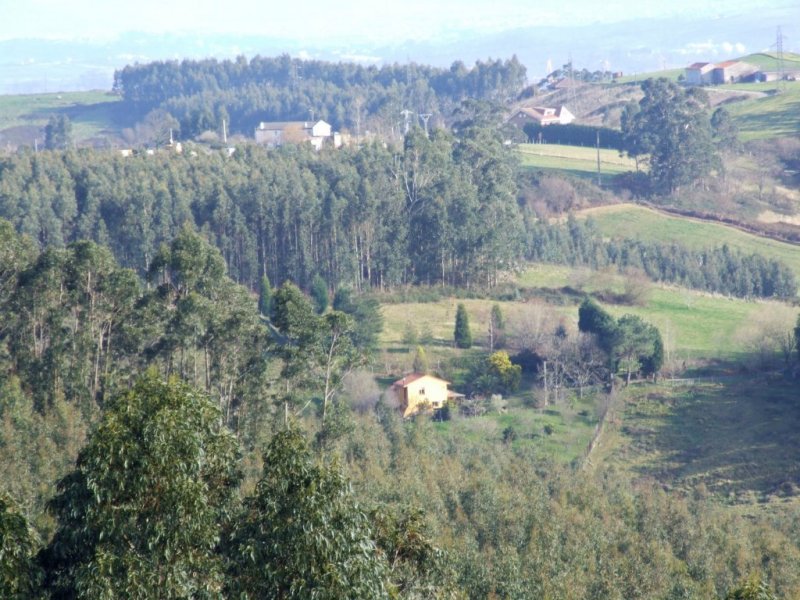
[421, 391]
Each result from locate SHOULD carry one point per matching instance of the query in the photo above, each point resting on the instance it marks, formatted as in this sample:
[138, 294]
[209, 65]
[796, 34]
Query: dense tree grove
[720, 270]
[436, 210]
[200, 94]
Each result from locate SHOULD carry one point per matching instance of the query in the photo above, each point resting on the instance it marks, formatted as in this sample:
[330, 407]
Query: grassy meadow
[776, 115]
[736, 437]
[573, 160]
[92, 113]
[639, 222]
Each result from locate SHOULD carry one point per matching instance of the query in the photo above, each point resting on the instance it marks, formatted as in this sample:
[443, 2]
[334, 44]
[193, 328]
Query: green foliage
[797, 337]
[497, 374]
[141, 514]
[302, 534]
[593, 319]
[265, 297]
[317, 351]
[752, 589]
[319, 294]
[631, 340]
[19, 574]
[58, 133]
[725, 132]
[367, 318]
[673, 129]
[201, 93]
[420, 364]
[410, 333]
[497, 328]
[636, 343]
[462, 333]
[418, 568]
[584, 243]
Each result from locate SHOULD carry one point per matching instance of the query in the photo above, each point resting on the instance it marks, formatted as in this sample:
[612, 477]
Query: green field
[638, 222]
[92, 113]
[574, 160]
[672, 74]
[702, 333]
[768, 61]
[777, 115]
[739, 437]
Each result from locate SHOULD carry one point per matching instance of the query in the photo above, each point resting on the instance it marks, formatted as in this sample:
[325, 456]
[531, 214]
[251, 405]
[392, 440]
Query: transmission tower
[779, 49]
[407, 116]
[425, 117]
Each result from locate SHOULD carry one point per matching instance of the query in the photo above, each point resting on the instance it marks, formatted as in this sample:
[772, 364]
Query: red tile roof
[409, 379]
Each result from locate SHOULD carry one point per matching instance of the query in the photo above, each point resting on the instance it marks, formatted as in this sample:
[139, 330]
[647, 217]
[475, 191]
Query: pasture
[574, 160]
[639, 222]
[22, 117]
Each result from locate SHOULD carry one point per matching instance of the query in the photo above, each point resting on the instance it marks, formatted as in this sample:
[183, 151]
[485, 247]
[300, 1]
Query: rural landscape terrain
[275, 327]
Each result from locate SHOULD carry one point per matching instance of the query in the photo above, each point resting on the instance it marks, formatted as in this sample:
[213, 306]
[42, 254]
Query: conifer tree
[462, 333]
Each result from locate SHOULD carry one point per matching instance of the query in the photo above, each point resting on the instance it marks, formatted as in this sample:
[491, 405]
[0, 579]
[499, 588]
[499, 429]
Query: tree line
[721, 270]
[201, 93]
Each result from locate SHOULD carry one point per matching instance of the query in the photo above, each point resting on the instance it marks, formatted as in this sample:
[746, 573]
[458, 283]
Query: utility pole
[779, 48]
[597, 144]
[224, 132]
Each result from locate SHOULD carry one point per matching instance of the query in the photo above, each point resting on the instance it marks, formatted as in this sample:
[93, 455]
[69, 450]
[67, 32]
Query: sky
[306, 20]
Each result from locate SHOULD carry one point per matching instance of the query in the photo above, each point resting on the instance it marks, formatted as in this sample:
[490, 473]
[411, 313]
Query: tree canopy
[141, 514]
[672, 127]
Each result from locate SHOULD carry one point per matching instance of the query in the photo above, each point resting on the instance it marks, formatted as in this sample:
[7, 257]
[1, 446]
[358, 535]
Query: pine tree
[462, 333]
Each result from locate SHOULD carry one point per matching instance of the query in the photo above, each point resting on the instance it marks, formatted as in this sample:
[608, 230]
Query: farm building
[732, 71]
[699, 73]
[542, 115]
[419, 393]
[275, 134]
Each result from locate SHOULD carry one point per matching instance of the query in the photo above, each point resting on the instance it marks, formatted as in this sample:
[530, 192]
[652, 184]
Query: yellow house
[418, 392]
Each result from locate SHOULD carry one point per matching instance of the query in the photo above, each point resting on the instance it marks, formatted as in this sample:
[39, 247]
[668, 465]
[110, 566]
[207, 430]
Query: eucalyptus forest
[195, 375]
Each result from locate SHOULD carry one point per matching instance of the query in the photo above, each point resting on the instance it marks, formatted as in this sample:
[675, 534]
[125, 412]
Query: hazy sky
[310, 19]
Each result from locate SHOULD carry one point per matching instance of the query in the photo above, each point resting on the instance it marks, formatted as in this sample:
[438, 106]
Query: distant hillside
[768, 61]
[95, 115]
